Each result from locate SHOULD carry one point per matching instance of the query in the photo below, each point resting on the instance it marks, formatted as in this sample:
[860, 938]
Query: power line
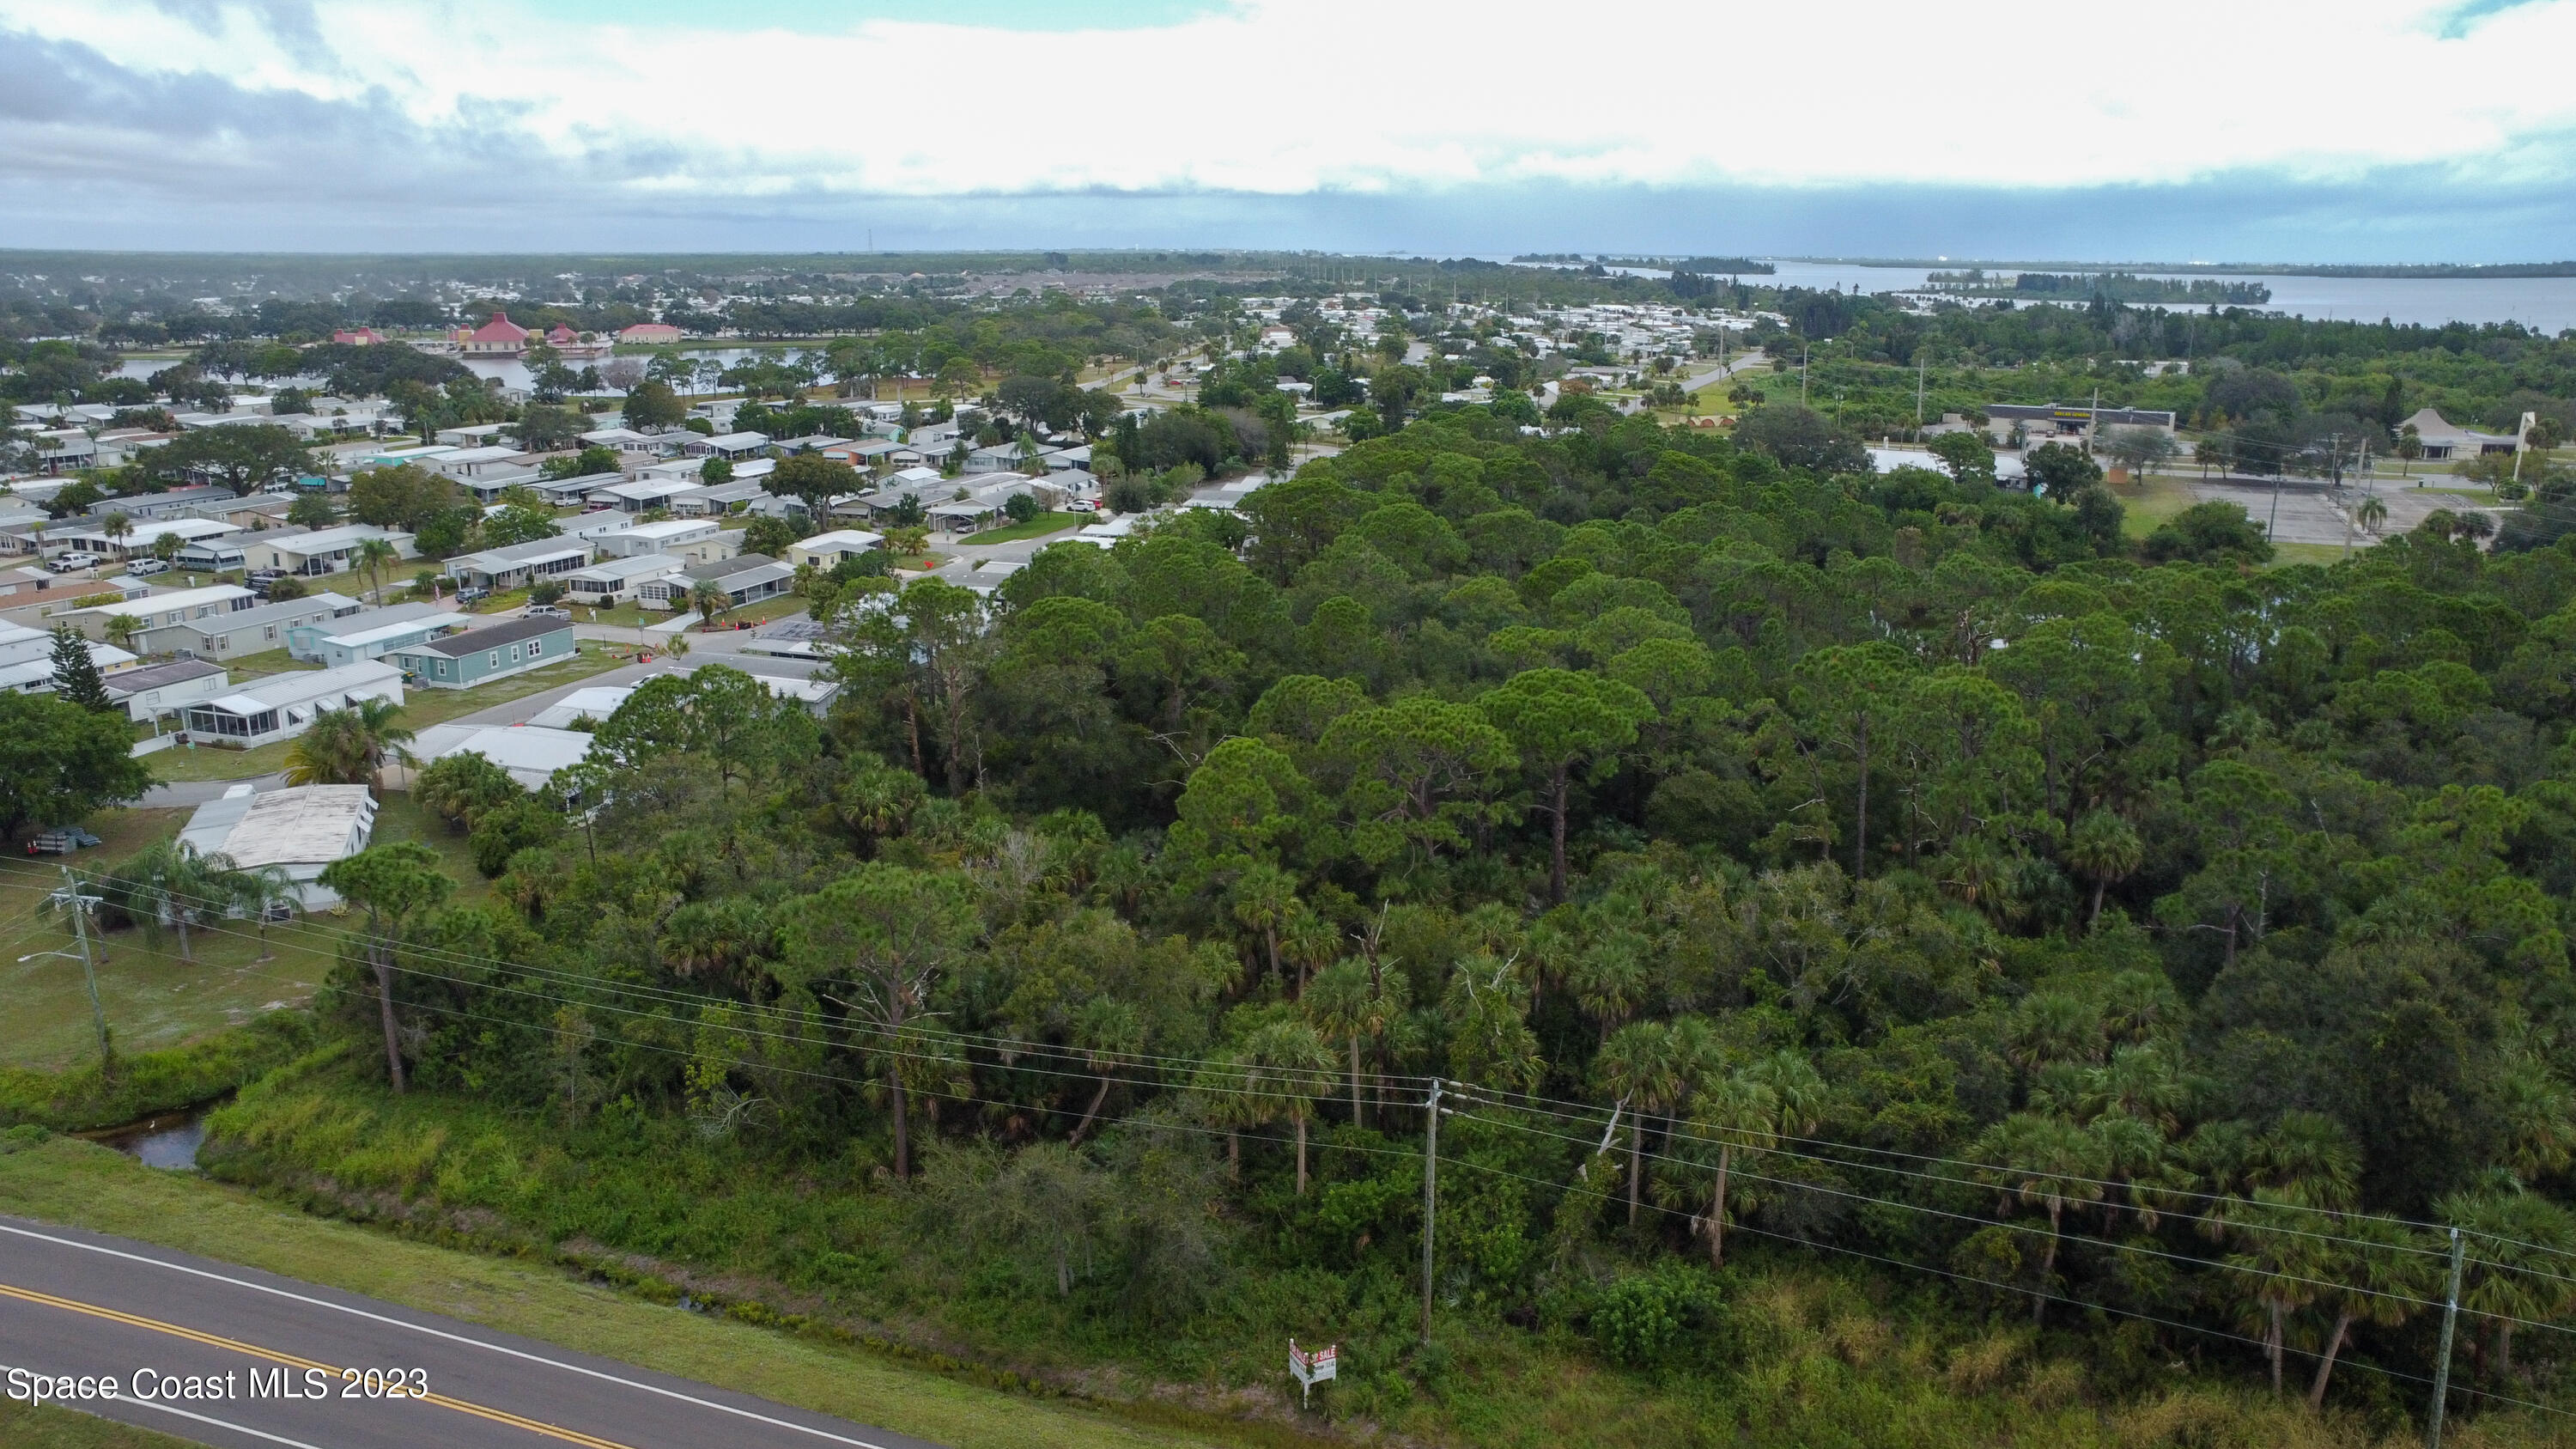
[1322, 1083]
[933, 1090]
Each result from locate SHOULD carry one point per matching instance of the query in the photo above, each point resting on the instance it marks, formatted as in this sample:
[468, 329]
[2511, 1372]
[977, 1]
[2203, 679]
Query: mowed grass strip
[42, 1426]
[64, 1180]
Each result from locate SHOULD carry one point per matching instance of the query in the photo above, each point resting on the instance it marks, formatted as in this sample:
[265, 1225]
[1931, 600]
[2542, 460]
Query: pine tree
[75, 673]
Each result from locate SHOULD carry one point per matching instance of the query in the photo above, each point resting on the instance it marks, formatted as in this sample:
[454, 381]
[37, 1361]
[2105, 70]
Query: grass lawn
[399, 818]
[2312, 553]
[150, 996]
[2152, 501]
[64, 1180]
[1038, 527]
[266, 662]
[421, 709]
[785, 606]
[31, 1427]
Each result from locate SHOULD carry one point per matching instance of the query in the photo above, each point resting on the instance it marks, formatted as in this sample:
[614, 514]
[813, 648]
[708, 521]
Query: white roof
[841, 538]
[671, 528]
[739, 440]
[146, 530]
[530, 748]
[599, 701]
[373, 627]
[182, 600]
[649, 488]
[592, 702]
[634, 566]
[280, 690]
[301, 825]
[480, 455]
[331, 540]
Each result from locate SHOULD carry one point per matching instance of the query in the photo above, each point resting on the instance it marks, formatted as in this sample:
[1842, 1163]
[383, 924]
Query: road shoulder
[70, 1182]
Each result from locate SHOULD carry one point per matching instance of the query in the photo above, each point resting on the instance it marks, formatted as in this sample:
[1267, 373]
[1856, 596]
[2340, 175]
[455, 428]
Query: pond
[169, 1140]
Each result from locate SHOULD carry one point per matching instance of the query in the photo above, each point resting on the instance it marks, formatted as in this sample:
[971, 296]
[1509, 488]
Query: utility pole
[80, 904]
[2450, 1320]
[1918, 399]
[1431, 1201]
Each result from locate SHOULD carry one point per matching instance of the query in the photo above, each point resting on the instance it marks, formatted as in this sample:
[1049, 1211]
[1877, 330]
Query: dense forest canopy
[1773, 862]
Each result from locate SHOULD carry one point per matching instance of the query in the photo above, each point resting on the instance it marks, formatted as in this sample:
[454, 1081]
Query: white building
[324, 550]
[531, 752]
[689, 540]
[829, 550]
[282, 706]
[613, 581]
[166, 688]
[301, 830]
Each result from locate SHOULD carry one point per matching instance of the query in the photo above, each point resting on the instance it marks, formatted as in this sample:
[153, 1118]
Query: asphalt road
[81, 1304]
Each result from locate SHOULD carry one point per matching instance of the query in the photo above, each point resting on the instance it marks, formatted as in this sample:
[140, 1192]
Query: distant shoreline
[2428, 271]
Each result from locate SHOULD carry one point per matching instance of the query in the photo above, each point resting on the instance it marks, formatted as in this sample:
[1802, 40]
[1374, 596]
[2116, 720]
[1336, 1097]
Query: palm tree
[372, 555]
[1264, 901]
[2049, 1161]
[172, 884]
[2281, 1265]
[1751, 1107]
[1106, 1030]
[258, 890]
[1608, 981]
[1639, 1064]
[117, 527]
[711, 601]
[1289, 1063]
[2371, 514]
[2519, 1240]
[2107, 848]
[348, 746]
[121, 629]
[2378, 1275]
[1339, 1004]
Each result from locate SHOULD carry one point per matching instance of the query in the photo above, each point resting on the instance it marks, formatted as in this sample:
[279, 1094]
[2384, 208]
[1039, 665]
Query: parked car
[66, 563]
[548, 611]
[144, 568]
[261, 576]
[472, 596]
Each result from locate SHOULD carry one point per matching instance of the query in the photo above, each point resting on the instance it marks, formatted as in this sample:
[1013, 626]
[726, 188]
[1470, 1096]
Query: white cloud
[1366, 96]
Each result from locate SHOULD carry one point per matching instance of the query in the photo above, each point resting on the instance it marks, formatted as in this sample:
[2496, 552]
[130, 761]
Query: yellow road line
[234, 1345]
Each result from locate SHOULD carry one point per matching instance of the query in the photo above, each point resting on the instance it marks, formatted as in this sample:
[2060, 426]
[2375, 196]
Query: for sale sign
[1313, 1366]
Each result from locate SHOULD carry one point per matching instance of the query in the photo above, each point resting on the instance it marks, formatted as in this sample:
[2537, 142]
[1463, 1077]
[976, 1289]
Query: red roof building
[357, 337]
[499, 337]
[561, 336]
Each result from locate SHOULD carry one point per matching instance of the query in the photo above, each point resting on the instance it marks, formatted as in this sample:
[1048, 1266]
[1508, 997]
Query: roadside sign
[1313, 1366]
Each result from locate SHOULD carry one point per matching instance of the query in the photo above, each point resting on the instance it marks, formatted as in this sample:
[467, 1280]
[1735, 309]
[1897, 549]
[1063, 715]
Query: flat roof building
[301, 830]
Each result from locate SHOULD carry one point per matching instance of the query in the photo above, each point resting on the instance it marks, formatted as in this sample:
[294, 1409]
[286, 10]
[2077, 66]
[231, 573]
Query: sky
[2231, 130]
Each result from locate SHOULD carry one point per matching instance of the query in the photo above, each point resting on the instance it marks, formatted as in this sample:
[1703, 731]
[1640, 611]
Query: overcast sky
[2250, 130]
